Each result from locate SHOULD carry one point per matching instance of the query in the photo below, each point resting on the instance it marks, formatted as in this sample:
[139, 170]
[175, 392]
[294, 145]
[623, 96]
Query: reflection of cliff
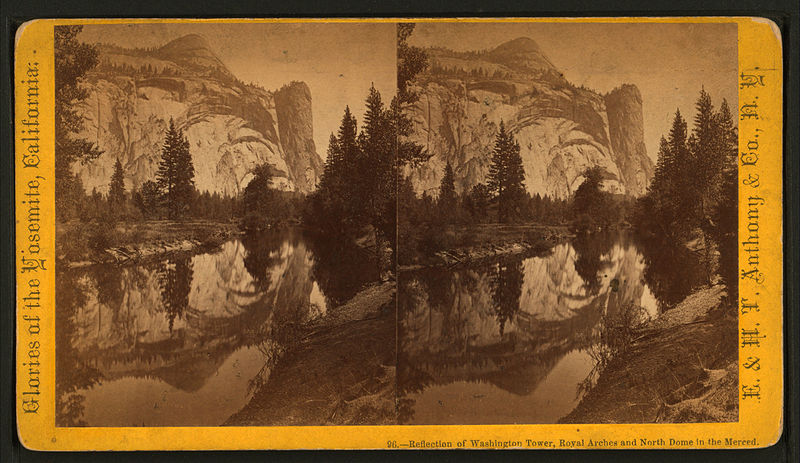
[154, 322]
[473, 325]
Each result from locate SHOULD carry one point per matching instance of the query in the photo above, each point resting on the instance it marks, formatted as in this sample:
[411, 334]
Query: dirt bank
[339, 371]
[81, 244]
[682, 367]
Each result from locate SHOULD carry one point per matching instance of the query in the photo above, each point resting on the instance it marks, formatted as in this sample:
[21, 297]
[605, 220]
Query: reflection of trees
[672, 271]
[468, 324]
[72, 374]
[340, 266]
[506, 291]
[175, 280]
[108, 284]
[590, 249]
[263, 253]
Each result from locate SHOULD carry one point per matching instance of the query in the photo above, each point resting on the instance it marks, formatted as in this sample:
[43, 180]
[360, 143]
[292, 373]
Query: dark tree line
[357, 193]
[357, 188]
[693, 195]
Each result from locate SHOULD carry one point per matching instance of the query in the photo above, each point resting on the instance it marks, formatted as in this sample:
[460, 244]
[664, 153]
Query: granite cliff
[231, 126]
[562, 129]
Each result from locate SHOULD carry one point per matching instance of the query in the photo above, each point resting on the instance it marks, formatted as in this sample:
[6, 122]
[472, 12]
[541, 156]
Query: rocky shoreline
[133, 253]
[681, 368]
[339, 371]
[141, 251]
[519, 243]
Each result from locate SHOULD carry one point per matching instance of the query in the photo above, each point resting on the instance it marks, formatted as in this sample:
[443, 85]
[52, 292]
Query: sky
[338, 61]
[669, 63]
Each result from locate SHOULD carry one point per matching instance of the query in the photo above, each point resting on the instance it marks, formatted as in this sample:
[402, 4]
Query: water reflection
[506, 291]
[672, 270]
[188, 340]
[175, 279]
[507, 342]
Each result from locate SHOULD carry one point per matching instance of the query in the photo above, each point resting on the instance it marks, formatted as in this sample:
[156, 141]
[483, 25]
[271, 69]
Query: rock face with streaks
[231, 126]
[562, 129]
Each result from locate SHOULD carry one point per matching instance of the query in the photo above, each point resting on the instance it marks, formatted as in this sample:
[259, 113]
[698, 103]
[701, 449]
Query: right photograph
[567, 223]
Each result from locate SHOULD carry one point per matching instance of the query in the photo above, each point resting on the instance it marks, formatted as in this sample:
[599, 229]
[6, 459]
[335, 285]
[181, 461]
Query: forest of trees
[357, 193]
[693, 194]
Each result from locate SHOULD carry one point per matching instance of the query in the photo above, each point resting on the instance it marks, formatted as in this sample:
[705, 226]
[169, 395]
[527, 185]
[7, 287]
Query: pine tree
[175, 281]
[116, 192]
[73, 60]
[695, 188]
[661, 195]
[410, 62]
[447, 193]
[334, 206]
[175, 176]
[664, 166]
[258, 198]
[506, 179]
[725, 217]
[707, 155]
[681, 190]
[377, 182]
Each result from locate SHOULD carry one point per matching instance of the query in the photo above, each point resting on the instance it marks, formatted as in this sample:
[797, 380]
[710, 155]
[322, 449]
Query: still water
[186, 341]
[508, 341]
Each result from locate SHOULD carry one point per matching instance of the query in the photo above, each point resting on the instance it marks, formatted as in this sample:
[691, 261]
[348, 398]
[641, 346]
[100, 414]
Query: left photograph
[221, 259]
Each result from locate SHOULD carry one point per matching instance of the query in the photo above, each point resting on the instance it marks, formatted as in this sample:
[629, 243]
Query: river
[186, 341]
[189, 340]
[510, 341]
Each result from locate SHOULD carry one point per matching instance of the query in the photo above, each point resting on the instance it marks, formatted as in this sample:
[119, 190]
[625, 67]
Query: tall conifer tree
[175, 176]
[506, 177]
[116, 192]
[725, 218]
[447, 192]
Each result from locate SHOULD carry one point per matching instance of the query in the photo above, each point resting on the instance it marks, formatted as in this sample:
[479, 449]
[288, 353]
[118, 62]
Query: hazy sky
[337, 61]
[668, 62]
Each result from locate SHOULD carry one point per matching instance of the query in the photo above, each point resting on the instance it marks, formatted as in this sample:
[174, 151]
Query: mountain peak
[187, 43]
[193, 51]
[522, 53]
[518, 45]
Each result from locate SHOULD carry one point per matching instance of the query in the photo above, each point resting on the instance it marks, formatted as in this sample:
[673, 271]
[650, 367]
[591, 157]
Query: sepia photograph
[222, 258]
[355, 223]
[567, 243]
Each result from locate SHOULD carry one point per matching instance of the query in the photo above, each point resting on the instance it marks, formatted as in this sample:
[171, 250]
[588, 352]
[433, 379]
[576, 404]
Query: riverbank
[681, 367]
[81, 244]
[464, 244]
[340, 370]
